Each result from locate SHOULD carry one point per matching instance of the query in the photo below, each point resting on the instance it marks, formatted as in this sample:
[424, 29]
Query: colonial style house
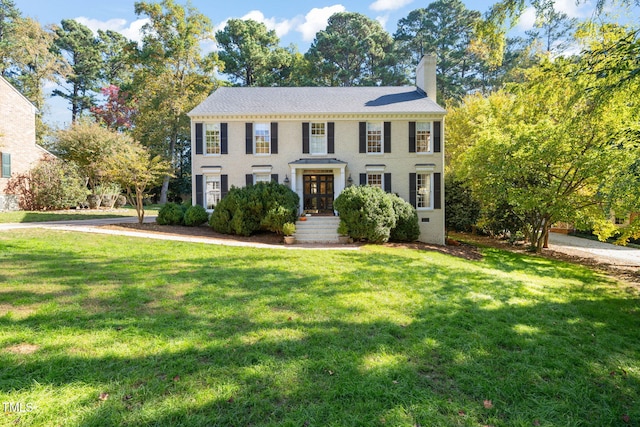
[18, 147]
[319, 140]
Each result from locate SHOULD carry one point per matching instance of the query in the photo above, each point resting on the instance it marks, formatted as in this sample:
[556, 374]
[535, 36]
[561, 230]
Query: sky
[296, 22]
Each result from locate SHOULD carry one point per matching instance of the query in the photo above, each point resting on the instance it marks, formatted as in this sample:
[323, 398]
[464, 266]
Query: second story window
[423, 137]
[212, 138]
[318, 138]
[262, 138]
[374, 137]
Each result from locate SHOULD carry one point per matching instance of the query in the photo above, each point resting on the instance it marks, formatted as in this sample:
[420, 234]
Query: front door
[318, 194]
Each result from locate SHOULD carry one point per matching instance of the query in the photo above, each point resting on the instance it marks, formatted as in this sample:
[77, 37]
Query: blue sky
[295, 21]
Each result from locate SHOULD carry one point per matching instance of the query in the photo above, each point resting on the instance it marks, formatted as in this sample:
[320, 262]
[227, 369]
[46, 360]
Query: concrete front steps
[317, 229]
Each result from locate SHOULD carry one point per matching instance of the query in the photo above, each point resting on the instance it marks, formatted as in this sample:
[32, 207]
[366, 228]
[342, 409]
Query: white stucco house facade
[319, 140]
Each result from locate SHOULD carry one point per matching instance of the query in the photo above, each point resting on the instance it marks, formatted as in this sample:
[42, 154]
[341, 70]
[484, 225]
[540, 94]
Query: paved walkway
[96, 226]
[600, 251]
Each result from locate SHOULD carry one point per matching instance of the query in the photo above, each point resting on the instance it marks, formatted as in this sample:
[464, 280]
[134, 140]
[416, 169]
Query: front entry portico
[318, 182]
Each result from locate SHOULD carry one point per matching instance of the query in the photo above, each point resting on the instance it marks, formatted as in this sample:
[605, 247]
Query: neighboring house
[319, 140]
[18, 147]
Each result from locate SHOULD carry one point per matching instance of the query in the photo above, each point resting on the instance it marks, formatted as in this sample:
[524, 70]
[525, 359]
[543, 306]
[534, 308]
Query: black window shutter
[274, 138]
[249, 138]
[274, 177]
[363, 179]
[412, 189]
[224, 185]
[200, 190]
[437, 192]
[363, 137]
[387, 182]
[412, 137]
[437, 131]
[331, 145]
[249, 179]
[224, 139]
[387, 137]
[199, 139]
[305, 138]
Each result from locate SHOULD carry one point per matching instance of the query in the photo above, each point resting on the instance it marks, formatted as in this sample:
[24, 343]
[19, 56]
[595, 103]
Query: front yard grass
[116, 331]
[70, 215]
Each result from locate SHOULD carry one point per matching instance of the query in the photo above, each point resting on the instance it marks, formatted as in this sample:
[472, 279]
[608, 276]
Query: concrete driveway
[602, 252]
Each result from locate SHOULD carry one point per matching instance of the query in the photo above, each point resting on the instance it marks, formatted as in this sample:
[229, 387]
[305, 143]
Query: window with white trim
[374, 179]
[262, 138]
[212, 138]
[423, 190]
[374, 137]
[261, 177]
[423, 137]
[213, 191]
[318, 138]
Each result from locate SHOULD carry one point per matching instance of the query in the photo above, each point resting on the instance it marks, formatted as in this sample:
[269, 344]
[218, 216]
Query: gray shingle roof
[227, 101]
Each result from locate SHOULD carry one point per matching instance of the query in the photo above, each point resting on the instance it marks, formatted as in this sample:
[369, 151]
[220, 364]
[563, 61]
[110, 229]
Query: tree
[115, 113]
[92, 148]
[548, 148]
[353, 50]
[117, 54]
[27, 59]
[553, 28]
[490, 33]
[9, 16]
[50, 185]
[136, 171]
[172, 78]
[251, 54]
[443, 28]
[81, 49]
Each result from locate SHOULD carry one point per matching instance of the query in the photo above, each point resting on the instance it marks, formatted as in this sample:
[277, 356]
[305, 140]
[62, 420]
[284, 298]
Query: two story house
[18, 148]
[319, 140]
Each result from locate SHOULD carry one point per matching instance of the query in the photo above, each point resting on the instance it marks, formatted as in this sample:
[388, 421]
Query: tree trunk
[164, 190]
[140, 204]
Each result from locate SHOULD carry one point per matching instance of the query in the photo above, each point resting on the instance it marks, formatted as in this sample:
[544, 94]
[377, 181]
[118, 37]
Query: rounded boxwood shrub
[407, 228]
[367, 213]
[195, 215]
[263, 206]
[170, 214]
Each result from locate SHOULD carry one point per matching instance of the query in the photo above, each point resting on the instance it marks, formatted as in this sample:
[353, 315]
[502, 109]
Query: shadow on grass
[382, 337]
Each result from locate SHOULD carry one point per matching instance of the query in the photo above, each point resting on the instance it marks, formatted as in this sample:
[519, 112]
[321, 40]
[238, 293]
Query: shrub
[288, 229]
[367, 212]
[263, 206]
[462, 209]
[170, 214]
[407, 228]
[51, 184]
[195, 215]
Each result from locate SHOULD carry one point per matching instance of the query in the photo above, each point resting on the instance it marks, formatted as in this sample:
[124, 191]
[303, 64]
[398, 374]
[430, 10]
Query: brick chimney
[426, 76]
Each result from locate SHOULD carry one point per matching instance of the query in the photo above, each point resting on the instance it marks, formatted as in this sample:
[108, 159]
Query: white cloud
[133, 31]
[383, 20]
[380, 5]
[572, 9]
[527, 19]
[281, 28]
[316, 20]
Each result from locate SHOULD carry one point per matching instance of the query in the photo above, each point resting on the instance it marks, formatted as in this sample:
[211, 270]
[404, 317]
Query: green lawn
[114, 331]
[70, 215]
